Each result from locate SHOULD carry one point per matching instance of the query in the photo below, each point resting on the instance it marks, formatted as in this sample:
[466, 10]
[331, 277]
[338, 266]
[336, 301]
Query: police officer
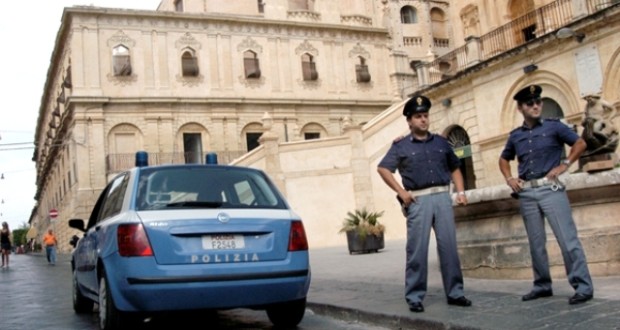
[426, 164]
[538, 145]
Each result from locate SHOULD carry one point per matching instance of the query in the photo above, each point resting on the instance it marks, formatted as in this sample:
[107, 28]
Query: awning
[32, 233]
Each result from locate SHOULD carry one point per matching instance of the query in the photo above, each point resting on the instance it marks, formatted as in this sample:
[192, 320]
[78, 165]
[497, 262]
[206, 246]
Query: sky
[28, 31]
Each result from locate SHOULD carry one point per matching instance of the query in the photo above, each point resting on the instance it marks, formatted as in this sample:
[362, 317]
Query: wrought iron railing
[542, 21]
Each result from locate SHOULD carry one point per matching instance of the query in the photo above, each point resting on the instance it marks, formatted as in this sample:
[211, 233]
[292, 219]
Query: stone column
[360, 165]
[423, 74]
[473, 50]
[269, 141]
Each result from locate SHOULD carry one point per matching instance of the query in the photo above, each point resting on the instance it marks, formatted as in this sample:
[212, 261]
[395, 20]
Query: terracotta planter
[356, 244]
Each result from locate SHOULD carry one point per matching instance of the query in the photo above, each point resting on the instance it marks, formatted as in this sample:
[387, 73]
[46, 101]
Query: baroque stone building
[312, 92]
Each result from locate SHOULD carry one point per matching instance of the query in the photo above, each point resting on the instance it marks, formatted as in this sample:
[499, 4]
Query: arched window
[121, 61]
[312, 131]
[251, 64]
[361, 71]
[408, 15]
[189, 64]
[252, 132]
[459, 140]
[308, 67]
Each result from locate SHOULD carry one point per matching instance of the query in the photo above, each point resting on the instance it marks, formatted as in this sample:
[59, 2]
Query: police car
[189, 237]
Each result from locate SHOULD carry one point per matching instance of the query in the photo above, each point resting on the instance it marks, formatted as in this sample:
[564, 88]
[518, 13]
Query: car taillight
[132, 241]
[297, 240]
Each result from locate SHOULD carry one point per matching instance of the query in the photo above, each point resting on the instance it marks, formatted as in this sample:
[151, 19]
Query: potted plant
[364, 232]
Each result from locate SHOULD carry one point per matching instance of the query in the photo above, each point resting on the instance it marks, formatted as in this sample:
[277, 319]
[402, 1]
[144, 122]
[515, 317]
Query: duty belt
[429, 191]
[555, 185]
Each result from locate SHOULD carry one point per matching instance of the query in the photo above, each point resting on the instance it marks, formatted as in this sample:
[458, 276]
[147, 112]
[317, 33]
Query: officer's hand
[461, 199]
[515, 184]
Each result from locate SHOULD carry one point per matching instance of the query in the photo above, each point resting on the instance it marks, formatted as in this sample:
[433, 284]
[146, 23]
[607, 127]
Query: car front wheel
[287, 315]
[81, 304]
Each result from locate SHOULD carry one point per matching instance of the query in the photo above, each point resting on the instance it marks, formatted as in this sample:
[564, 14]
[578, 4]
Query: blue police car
[189, 237]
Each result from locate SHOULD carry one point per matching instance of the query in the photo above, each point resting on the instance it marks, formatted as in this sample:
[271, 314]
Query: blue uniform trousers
[431, 211]
[537, 204]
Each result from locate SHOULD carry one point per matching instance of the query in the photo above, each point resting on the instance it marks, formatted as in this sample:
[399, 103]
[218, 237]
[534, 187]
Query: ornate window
[121, 61]
[251, 64]
[261, 6]
[178, 6]
[308, 67]
[408, 15]
[361, 71]
[189, 64]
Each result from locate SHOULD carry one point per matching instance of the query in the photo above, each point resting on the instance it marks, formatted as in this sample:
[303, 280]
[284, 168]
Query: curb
[393, 321]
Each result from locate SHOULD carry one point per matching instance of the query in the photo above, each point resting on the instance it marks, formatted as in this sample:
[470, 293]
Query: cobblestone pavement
[365, 288]
[370, 288]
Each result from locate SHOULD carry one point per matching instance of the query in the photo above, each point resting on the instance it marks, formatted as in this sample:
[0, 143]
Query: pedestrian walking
[538, 145]
[5, 244]
[50, 242]
[427, 164]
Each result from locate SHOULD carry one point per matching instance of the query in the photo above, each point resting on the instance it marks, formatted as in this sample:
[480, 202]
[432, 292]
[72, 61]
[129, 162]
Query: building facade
[311, 89]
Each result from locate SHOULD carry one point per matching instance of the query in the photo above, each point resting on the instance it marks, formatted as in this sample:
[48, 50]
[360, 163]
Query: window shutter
[67, 81]
[309, 71]
[361, 72]
[122, 65]
[61, 97]
[252, 68]
[190, 66]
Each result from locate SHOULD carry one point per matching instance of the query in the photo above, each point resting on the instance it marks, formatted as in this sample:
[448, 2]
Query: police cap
[416, 104]
[528, 93]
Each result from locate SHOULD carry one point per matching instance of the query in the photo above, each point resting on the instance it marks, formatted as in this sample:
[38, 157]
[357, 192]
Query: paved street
[35, 295]
[348, 292]
[29, 303]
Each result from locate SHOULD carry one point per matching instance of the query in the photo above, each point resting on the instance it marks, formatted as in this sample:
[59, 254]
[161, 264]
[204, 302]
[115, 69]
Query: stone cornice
[81, 100]
[216, 23]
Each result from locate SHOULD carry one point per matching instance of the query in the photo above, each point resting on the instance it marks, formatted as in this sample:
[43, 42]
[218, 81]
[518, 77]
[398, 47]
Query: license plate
[223, 242]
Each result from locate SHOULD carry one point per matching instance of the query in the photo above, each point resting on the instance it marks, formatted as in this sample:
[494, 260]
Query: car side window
[114, 198]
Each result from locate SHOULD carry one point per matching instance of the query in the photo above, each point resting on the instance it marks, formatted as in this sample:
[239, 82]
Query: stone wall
[492, 239]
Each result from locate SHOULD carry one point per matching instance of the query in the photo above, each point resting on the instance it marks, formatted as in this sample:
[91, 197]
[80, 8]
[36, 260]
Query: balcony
[533, 25]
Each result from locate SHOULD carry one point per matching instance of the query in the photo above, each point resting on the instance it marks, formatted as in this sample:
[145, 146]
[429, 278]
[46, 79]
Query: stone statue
[599, 131]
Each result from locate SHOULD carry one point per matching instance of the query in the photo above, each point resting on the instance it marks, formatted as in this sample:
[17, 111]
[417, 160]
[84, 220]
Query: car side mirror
[77, 224]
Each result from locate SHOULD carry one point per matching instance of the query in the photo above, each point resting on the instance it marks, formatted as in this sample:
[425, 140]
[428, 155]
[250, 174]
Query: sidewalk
[370, 288]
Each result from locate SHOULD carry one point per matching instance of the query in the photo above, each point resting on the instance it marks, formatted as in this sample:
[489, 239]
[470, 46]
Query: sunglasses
[531, 103]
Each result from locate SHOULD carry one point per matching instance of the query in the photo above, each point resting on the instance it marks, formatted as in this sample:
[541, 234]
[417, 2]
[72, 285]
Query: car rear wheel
[109, 316]
[287, 314]
[81, 304]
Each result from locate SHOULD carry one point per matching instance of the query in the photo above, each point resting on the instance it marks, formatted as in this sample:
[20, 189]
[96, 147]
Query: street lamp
[567, 32]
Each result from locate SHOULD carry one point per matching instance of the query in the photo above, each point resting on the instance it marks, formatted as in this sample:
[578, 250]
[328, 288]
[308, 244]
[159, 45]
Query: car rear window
[205, 187]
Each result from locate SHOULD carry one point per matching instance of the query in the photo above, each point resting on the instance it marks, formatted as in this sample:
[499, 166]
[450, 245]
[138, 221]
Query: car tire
[81, 304]
[109, 316]
[287, 315]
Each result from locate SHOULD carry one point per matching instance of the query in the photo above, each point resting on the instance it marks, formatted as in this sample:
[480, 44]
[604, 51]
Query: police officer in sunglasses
[538, 145]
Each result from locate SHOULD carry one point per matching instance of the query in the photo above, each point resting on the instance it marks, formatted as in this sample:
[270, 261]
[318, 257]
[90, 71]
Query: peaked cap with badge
[528, 93]
[416, 104]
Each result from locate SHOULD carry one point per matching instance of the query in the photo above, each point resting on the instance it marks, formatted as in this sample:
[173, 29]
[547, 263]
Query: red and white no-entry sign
[53, 213]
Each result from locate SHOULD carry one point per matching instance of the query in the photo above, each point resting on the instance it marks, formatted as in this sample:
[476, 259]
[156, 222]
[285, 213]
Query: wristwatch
[565, 162]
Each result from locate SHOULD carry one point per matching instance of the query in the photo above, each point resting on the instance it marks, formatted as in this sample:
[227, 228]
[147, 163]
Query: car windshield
[205, 187]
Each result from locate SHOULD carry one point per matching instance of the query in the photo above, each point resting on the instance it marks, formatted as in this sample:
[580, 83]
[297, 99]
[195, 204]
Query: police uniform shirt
[538, 149]
[421, 163]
